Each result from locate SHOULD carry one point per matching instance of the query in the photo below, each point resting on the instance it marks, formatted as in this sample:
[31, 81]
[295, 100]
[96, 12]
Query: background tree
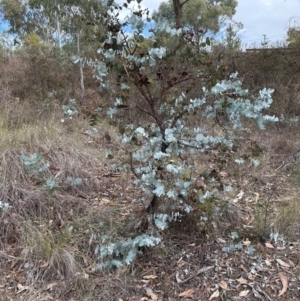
[232, 41]
[76, 24]
[293, 37]
[198, 14]
[53, 21]
[23, 20]
[293, 32]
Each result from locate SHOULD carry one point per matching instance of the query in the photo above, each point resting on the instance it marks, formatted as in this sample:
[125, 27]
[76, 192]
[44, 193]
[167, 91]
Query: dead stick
[198, 273]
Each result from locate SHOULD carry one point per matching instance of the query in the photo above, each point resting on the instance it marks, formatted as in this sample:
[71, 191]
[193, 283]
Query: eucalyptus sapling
[154, 82]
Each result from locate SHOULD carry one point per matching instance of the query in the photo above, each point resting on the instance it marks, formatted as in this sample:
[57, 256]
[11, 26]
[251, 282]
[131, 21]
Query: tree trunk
[58, 28]
[178, 13]
[80, 69]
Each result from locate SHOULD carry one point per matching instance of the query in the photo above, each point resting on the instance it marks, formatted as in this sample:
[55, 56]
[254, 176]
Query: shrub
[161, 150]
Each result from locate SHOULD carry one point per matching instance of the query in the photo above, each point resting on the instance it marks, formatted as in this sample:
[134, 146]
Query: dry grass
[48, 235]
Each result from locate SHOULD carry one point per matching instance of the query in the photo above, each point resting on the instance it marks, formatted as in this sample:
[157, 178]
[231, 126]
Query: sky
[266, 17]
[259, 17]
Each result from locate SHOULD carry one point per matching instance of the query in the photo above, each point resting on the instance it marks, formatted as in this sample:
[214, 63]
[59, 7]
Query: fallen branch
[195, 275]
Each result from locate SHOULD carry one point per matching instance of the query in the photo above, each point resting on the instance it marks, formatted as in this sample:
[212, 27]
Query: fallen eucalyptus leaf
[151, 294]
[244, 293]
[149, 276]
[215, 295]
[223, 284]
[282, 263]
[187, 294]
[268, 263]
[268, 245]
[284, 282]
[242, 280]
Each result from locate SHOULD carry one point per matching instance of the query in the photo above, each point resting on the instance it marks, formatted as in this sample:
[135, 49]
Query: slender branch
[125, 68]
[145, 111]
[178, 117]
[194, 146]
[167, 88]
[131, 166]
[205, 269]
[150, 95]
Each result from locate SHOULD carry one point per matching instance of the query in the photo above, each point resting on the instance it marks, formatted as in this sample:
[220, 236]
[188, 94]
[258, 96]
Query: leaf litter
[194, 267]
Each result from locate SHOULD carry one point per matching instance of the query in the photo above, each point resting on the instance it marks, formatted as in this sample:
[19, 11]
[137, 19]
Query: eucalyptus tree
[153, 81]
[54, 21]
[24, 20]
[293, 37]
[75, 25]
[197, 14]
[231, 39]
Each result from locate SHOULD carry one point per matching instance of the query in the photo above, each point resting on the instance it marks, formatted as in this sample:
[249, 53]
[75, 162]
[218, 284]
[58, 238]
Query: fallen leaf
[284, 282]
[187, 294]
[150, 293]
[251, 276]
[244, 293]
[51, 285]
[223, 284]
[242, 280]
[223, 174]
[45, 264]
[221, 240]
[215, 295]
[178, 278]
[268, 263]
[268, 245]
[281, 248]
[19, 286]
[243, 268]
[91, 240]
[22, 288]
[181, 264]
[150, 277]
[105, 201]
[46, 298]
[292, 264]
[200, 184]
[180, 259]
[251, 220]
[282, 263]
[238, 197]
[247, 242]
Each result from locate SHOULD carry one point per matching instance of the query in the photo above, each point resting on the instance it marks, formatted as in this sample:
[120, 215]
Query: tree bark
[80, 69]
[178, 13]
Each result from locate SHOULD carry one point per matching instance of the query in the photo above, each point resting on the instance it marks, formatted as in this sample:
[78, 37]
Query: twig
[205, 269]
[2, 254]
[280, 166]
[262, 292]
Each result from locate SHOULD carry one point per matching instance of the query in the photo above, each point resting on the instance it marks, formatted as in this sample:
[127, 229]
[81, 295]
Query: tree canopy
[198, 14]
[51, 20]
[293, 37]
